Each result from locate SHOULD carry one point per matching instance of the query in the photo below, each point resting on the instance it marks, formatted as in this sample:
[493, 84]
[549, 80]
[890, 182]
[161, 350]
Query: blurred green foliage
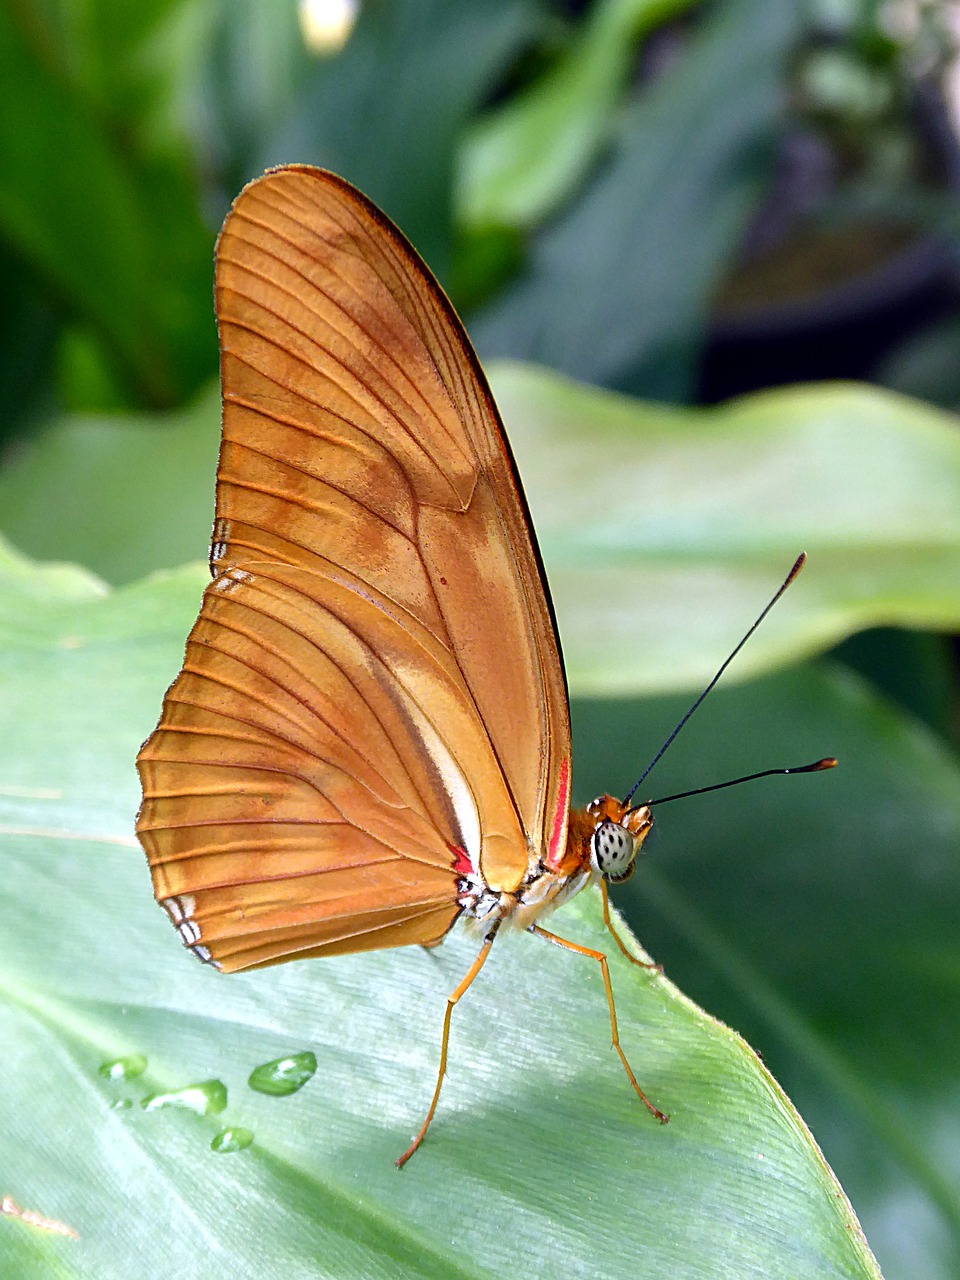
[581, 178]
[135, 133]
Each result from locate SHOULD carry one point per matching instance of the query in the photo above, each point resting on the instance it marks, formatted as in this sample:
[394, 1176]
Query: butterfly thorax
[603, 840]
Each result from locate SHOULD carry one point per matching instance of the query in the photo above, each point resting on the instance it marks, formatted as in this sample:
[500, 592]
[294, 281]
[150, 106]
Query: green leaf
[123, 493]
[620, 283]
[125, 60]
[523, 159]
[537, 1124]
[818, 915]
[664, 531]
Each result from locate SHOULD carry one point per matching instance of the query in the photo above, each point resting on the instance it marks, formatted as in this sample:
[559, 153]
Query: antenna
[797, 566]
[828, 762]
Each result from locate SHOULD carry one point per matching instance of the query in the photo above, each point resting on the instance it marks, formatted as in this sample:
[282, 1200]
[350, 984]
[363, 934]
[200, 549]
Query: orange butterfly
[370, 737]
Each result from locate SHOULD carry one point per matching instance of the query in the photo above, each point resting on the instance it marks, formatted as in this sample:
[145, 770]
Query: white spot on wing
[189, 931]
[179, 908]
[221, 536]
[231, 578]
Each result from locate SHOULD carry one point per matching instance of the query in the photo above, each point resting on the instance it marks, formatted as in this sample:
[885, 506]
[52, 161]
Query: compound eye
[621, 877]
[614, 850]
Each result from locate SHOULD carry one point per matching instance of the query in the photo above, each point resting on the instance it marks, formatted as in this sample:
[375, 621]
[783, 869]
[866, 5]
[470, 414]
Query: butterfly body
[370, 736]
[540, 893]
[591, 832]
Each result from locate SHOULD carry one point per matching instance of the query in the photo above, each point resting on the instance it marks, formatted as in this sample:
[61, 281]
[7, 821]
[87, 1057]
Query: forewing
[374, 680]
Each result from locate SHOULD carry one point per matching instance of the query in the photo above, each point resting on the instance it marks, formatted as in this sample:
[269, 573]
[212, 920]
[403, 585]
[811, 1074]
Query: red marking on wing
[461, 863]
[555, 853]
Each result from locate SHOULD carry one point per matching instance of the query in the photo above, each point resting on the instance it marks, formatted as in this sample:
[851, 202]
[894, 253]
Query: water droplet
[135, 1064]
[120, 1104]
[207, 1098]
[235, 1139]
[284, 1075]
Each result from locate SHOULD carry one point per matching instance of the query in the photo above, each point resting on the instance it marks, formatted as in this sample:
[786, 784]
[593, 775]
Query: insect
[370, 736]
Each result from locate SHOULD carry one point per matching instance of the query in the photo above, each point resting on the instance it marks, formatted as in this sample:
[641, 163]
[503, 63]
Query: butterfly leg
[601, 960]
[452, 1000]
[643, 964]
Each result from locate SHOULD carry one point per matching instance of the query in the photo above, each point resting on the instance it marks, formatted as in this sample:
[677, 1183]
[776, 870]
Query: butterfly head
[618, 835]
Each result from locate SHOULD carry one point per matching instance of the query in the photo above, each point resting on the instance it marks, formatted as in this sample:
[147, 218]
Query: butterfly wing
[373, 692]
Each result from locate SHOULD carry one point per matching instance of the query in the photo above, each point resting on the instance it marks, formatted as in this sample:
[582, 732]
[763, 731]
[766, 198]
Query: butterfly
[370, 736]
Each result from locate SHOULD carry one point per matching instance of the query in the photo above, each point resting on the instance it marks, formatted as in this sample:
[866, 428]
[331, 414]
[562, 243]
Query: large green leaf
[121, 493]
[541, 1160]
[663, 530]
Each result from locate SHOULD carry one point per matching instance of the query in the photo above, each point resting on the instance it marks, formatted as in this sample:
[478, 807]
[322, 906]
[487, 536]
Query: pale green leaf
[541, 1159]
[665, 530]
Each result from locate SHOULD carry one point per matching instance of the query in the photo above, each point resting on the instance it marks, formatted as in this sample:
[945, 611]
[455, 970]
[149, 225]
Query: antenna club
[798, 564]
[828, 762]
